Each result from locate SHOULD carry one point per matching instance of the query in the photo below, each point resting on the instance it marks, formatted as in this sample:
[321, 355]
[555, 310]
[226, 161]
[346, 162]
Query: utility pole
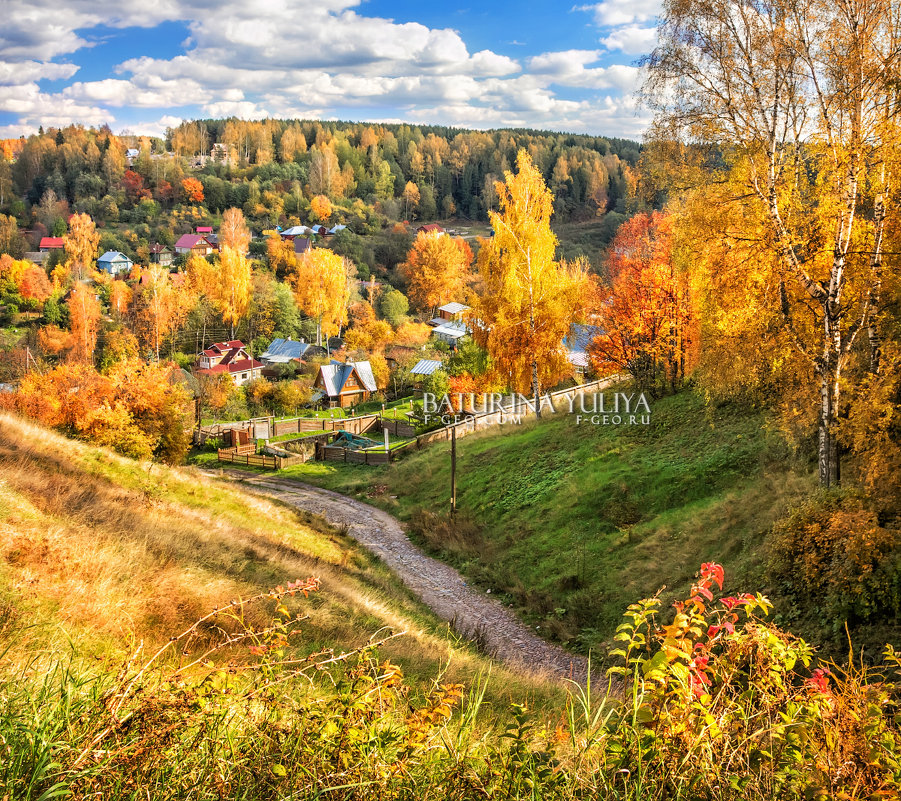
[453, 470]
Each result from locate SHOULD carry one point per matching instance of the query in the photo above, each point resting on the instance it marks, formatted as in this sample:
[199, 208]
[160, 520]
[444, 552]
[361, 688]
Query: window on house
[243, 375]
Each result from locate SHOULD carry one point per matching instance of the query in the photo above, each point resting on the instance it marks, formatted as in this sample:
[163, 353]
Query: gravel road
[473, 613]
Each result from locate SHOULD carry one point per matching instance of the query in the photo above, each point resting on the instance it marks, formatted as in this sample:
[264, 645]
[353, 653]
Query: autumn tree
[11, 241]
[321, 208]
[325, 173]
[436, 269]
[230, 292]
[233, 233]
[801, 98]
[158, 308]
[134, 408]
[645, 314]
[81, 245]
[192, 190]
[411, 198]
[35, 285]
[320, 284]
[530, 301]
[120, 297]
[84, 318]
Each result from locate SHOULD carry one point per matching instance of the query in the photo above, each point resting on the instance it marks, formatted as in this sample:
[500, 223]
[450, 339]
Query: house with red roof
[194, 243]
[49, 243]
[231, 359]
[430, 228]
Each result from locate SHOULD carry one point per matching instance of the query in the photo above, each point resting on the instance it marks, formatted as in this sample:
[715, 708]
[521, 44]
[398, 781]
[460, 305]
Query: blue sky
[143, 65]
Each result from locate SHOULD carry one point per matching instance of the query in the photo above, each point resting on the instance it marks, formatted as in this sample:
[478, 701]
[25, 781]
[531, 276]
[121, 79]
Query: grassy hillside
[571, 523]
[98, 552]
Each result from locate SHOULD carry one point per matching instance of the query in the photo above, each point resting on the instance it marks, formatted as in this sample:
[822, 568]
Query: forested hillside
[271, 169]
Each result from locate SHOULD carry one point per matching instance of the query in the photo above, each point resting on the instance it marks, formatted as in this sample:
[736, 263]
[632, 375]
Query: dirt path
[473, 613]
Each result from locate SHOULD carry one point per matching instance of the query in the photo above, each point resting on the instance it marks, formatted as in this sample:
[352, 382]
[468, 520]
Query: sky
[144, 65]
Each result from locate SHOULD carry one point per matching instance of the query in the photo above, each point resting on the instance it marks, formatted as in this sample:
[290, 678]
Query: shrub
[831, 554]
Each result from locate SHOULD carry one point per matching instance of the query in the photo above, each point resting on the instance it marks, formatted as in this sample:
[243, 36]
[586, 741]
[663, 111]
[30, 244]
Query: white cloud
[631, 39]
[38, 108]
[624, 12]
[149, 92]
[570, 68]
[153, 127]
[28, 71]
[318, 58]
[240, 108]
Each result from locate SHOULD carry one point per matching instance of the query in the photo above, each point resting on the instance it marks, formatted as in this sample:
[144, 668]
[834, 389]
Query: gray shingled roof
[453, 308]
[426, 367]
[335, 376]
[453, 330]
[282, 351]
[577, 342]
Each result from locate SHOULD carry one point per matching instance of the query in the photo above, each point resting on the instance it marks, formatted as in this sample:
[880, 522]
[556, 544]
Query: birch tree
[530, 300]
[800, 98]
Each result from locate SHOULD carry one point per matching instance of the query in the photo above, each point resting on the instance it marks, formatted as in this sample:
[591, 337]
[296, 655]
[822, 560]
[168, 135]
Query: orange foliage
[10, 148]
[321, 207]
[81, 244]
[54, 341]
[35, 285]
[411, 333]
[12, 270]
[84, 316]
[120, 296]
[436, 268]
[647, 316]
[134, 409]
[192, 190]
[233, 232]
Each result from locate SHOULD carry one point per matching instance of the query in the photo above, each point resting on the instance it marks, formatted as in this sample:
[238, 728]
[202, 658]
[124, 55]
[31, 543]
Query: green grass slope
[99, 552]
[571, 523]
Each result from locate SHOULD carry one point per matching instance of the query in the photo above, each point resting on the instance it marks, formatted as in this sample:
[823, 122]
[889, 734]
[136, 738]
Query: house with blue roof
[344, 384]
[576, 344]
[114, 262]
[284, 351]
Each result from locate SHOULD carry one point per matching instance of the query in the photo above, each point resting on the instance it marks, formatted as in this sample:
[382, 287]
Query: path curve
[439, 586]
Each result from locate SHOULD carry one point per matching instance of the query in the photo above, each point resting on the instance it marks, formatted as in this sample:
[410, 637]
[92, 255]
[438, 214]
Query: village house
[229, 358]
[220, 153]
[161, 254]
[295, 231]
[576, 344]
[449, 313]
[194, 243]
[450, 333]
[285, 351]
[38, 256]
[49, 243]
[422, 370]
[396, 355]
[343, 384]
[114, 263]
[430, 228]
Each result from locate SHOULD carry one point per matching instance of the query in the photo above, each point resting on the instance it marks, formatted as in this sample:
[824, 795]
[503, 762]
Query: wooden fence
[269, 427]
[397, 427]
[332, 453]
[246, 454]
[300, 425]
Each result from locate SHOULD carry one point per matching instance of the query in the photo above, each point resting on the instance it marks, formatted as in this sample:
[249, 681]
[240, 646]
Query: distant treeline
[273, 168]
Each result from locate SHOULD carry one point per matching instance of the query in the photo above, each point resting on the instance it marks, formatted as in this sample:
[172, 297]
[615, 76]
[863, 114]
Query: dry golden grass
[104, 551]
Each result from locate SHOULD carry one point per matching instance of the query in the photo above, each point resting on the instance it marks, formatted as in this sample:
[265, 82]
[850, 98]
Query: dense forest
[273, 168]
